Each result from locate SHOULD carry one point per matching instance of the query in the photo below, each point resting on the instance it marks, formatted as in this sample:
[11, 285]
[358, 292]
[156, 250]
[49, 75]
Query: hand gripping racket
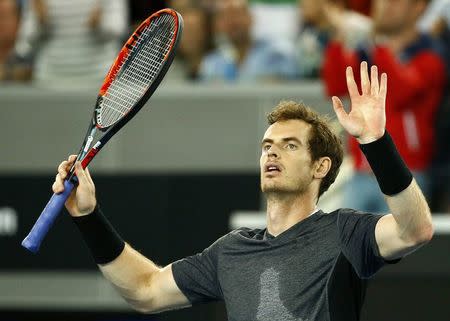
[132, 79]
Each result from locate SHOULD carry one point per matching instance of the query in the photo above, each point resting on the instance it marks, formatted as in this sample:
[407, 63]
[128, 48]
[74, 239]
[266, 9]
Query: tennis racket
[133, 77]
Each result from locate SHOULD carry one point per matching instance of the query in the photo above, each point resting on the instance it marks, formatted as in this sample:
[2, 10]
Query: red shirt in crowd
[416, 84]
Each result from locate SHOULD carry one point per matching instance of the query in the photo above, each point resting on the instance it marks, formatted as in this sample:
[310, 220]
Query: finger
[58, 184]
[383, 85]
[63, 169]
[374, 80]
[71, 161]
[81, 174]
[365, 83]
[65, 166]
[88, 175]
[351, 84]
[339, 109]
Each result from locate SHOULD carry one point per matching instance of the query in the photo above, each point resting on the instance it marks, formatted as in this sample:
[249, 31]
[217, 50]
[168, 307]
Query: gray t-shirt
[314, 271]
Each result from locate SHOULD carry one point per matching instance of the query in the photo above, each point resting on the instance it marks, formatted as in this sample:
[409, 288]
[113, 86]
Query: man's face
[8, 22]
[193, 42]
[234, 20]
[393, 16]
[311, 10]
[285, 163]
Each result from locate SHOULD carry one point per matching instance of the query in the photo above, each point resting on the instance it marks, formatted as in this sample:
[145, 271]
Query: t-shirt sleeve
[196, 275]
[358, 243]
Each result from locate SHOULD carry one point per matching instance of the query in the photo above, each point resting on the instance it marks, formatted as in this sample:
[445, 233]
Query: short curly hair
[322, 140]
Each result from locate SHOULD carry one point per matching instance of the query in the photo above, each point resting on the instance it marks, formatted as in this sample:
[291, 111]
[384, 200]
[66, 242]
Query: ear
[323, 165]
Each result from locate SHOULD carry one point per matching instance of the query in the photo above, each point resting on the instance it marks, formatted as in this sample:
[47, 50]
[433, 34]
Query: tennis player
[306, 264]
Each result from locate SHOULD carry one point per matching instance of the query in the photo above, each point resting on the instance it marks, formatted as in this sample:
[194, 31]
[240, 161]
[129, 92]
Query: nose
[272, 153]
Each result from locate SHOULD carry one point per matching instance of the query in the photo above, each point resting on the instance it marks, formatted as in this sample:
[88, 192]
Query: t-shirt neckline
[293, 229]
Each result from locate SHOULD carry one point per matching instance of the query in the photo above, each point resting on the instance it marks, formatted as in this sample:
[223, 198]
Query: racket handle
[51, 211]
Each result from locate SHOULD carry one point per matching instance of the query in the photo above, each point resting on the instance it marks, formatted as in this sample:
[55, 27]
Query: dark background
[167, 217]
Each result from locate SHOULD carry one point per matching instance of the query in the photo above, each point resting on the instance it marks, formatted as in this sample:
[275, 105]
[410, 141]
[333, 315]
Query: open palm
[366, 119]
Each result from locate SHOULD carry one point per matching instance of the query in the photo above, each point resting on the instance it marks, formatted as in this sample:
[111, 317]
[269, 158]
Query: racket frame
[110, 131]
[34, 239]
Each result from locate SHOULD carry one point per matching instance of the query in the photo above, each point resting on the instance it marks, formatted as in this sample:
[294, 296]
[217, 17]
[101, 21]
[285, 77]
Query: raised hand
[82, 200]
[366, 120]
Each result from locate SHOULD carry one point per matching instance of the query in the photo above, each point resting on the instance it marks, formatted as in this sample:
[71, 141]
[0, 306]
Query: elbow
[424, 235]
[423, 231]
[140, 309]
[143, 310]
[141, 306]
[142, 299]
[428, 233]
[427, 230]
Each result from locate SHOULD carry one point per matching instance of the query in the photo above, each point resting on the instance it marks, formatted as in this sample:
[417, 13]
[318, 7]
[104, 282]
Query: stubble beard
[273, 188]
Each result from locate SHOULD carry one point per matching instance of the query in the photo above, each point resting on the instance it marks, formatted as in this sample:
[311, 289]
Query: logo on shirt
[270, 307]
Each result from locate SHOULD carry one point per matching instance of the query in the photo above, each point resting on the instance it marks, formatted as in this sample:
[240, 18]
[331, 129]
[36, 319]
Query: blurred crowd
[62, 42]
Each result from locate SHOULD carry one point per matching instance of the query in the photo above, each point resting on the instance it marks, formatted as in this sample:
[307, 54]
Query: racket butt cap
[33, 248]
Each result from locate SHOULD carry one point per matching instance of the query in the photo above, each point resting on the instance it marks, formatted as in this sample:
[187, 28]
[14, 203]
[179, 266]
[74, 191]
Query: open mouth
[270, 168]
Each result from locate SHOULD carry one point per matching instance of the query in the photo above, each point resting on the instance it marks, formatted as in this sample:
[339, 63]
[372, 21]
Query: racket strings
[138, 70]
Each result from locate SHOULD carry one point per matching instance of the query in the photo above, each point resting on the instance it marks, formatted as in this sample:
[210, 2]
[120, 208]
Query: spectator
[361, 6]
[436, 21]
[72, 41]
[237, 56]
[9, 22]
[179, 5]
[274, 20]
[417, 81]
[9, 19]
[320, 18]
[440, 171]
[194, 44]
[437, 12]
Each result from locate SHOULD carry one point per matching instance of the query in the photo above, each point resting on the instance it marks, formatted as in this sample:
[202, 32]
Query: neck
[193, 63]
[285, 210]
[242, 50]
[399, 41]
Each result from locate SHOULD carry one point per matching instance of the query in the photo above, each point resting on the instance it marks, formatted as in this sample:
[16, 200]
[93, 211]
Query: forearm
[131, 274]
[148, 288]
[412, 214]
[410, 224]
[128, 270]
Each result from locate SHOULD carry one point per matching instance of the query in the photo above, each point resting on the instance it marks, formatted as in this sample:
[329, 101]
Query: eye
[291, 146]
[266, 147]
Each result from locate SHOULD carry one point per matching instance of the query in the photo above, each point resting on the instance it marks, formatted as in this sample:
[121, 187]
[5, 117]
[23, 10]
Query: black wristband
[100, 236]
[388, 166]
